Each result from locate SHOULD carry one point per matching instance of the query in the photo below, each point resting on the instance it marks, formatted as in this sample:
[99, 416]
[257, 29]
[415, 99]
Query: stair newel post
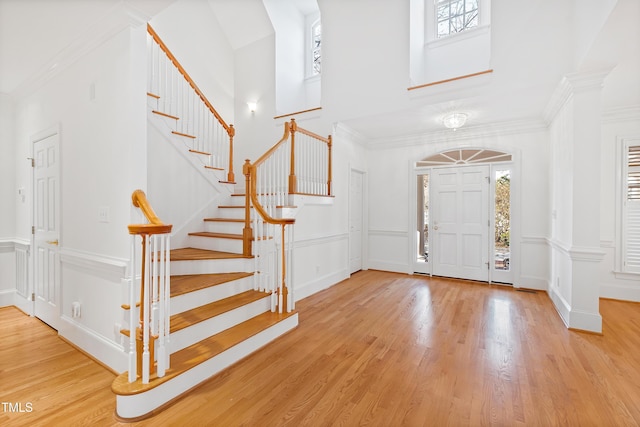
[247, 232]
[293, 185]
[232, 132]
[329, 148]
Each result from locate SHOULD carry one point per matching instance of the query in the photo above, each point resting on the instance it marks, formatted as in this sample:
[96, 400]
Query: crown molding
[120, 17]
[621, 114]
[574, 83]
[466, 133]
[353, 135]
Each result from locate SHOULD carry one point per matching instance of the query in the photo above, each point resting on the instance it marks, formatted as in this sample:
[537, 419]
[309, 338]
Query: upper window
[316, 48]
[454, 16]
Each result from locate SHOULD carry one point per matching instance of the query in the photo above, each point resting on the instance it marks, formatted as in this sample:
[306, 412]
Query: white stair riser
[213, 293]
[137, 405]
[224, 227]
[237, 201]
[216, 244]
[233, 213]
[199, 331]
[209, 266]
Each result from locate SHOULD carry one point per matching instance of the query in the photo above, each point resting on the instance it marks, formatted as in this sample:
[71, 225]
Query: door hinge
[33, 296]
[33, 229]
[33, 161]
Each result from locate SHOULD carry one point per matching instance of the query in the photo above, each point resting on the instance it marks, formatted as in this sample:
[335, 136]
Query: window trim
[622, 160]
[311, 21]
[431, 38]
[439, 3]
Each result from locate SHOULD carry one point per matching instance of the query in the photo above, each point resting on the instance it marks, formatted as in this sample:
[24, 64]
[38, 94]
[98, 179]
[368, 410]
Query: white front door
[460, 222]
[46, 206]
[356, 215]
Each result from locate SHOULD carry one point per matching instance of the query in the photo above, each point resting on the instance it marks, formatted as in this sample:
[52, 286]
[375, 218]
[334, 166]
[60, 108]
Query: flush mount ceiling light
[454, 120]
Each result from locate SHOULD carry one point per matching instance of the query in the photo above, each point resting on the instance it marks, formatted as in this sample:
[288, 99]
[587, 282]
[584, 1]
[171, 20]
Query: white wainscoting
[95, 281]
[534, 260]
[319, 263]
[388, 251]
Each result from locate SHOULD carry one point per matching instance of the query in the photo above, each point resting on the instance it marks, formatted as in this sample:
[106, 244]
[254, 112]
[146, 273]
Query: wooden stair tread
[200, 152]
[224, 220]
[192, 254]
[183, 134]
[199, 314]
[181, 285]
[160, 113]
[217, 235]
[200, 352]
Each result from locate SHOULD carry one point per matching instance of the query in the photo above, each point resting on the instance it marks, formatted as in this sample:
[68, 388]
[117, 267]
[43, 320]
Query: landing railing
[270, 181]
[149, 290]
[178, 97]
[310, 162]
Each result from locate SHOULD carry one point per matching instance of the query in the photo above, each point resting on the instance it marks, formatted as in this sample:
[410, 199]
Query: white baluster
[160, 262]
[132, 316]
[145, 322]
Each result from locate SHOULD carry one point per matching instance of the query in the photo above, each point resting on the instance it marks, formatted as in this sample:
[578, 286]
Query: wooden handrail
[155, 225]
[173, 59]
[229, 128]
[293, 182]
[269, 152]
[250, 171]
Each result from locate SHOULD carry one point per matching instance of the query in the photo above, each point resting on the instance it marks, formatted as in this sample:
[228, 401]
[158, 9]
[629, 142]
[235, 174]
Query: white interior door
[460, 227]
[356, 220]
[46, 205]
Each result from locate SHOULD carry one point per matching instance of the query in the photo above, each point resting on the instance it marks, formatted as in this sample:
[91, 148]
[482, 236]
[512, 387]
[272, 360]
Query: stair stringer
[143, 404]
[183, 191]
[163, 126]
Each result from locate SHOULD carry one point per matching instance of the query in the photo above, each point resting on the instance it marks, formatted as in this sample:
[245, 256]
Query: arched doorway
[463, 222]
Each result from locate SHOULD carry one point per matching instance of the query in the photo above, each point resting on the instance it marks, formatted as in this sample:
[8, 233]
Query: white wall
[192, 33]
[9, 197]
[390, 163]
[103, 159]
[618, 125]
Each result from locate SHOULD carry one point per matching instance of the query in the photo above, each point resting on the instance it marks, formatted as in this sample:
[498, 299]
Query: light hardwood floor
[379, 349]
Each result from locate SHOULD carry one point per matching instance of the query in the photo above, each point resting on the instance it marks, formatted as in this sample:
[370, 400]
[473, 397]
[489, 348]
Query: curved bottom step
[135, 401]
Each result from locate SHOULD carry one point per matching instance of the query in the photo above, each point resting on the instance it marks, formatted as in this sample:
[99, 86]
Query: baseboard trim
[561, 305]
[107, 352]
[320, 284]
[7, 297]
[388, 266]
[620, 292]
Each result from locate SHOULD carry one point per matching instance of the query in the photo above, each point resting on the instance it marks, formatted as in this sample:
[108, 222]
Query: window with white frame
[455, 16]
[316, 48]
[631, 208]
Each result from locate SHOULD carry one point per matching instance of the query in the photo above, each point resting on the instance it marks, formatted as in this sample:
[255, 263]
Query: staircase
[216, 316]
[228, 289]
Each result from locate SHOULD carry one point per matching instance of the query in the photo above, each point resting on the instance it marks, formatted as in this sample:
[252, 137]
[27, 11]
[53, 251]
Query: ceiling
[45, 28]
[48, 27]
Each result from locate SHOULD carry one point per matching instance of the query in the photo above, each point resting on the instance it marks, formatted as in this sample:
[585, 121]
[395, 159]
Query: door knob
[53, 242]
[435, 227]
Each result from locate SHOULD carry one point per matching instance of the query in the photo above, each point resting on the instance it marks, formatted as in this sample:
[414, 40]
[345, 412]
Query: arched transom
[464, 156]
